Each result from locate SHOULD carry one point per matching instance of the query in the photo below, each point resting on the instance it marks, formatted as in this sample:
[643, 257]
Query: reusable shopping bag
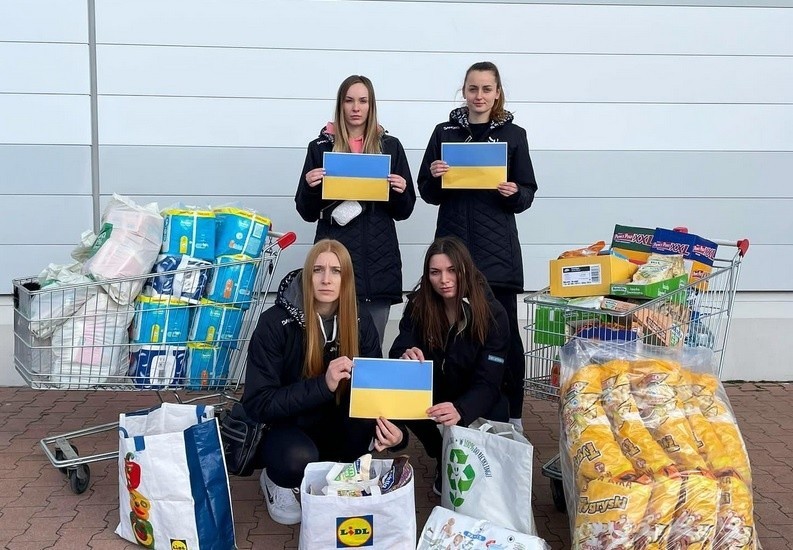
[446, 529]
[379, 521]
[173, 486]
[486, 473]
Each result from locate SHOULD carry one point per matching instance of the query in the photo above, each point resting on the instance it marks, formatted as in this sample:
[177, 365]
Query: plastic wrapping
[652, 457]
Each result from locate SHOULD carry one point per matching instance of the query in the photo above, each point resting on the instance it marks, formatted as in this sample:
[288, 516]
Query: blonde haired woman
[297, 378]
[371, 235]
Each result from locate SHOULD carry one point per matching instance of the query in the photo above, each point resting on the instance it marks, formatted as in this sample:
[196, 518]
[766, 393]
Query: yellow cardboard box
[588, 275]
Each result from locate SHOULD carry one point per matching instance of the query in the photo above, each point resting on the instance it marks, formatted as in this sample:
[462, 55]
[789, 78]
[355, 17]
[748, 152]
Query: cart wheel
[60, 456]
[557, 493]
[79, 478]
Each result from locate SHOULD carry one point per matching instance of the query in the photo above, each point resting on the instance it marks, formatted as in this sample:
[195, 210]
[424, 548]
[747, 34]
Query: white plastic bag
[486, 473]
[127, 246]
[63, 291]
[446, 529]
[379, 521]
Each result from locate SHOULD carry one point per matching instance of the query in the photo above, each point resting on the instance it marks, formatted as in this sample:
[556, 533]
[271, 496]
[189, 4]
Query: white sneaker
[282, 503]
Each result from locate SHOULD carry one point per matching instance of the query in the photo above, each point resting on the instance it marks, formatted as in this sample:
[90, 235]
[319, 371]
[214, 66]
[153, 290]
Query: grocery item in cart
[216, 323]
[240, 231]
[183, 277]
[90, 347]
[189, 231]
[207, 366]
[157, 367]
[160, 320]
[126, 247]
[66, 291]
[632, 242]
[232, 281]
[588, 275]
[698, 253]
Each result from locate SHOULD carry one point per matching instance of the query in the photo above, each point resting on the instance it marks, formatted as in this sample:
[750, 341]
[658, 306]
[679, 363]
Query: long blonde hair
[372, 131]
[347, 312]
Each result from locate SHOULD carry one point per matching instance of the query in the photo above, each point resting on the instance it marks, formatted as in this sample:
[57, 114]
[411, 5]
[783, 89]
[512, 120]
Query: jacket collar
[290, 296]
[460, 116]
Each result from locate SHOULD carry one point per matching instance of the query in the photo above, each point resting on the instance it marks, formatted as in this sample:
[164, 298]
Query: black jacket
[465, 373]
[275, 390]
[371, 237]
[483, 220]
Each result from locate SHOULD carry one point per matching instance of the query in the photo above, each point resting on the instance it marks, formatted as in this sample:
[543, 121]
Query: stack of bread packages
[652, 457]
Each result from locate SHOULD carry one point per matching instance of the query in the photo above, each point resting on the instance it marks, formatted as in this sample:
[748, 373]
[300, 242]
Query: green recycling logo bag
[486, 473]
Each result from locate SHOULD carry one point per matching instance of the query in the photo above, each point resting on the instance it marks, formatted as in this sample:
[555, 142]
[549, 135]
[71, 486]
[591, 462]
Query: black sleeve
[271, 391]
[429, 187]
[368, 337]
[308, 200]
[485, 389]
[400, 205]
[521, 172]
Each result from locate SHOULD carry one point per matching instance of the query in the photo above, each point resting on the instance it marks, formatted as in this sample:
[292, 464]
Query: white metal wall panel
[45, 220]
[46, 69]
[45, 170]
[44, 21]
[45, 119]
[444, 27]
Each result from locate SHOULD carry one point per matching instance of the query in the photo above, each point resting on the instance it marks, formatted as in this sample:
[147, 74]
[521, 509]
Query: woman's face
[326, 278]
[480, 93]
[356, 107]
[443, 276]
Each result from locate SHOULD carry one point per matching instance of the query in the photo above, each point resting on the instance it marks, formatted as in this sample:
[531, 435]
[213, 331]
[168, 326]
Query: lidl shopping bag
[173, 484]
[379, 521]
[447, 529]
[486, 473]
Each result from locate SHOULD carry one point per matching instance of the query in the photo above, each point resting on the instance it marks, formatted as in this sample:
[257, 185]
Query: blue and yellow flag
[398, 389]
[355, 176]
[474, 165]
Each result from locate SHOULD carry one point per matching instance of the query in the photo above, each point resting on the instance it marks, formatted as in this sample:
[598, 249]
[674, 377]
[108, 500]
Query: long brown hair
[347, 312]
[498, 112]
[428, 308]
[372, 131]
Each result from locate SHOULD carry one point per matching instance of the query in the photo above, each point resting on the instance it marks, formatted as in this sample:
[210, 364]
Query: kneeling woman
[453, 319]
[299, 364]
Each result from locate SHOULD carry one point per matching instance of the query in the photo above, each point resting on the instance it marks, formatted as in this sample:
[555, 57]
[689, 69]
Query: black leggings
[515, 362]
[286, 450]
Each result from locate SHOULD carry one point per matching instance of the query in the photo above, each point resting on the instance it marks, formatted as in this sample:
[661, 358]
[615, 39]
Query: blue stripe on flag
[474, 154]
[390, 374]
[356, 165]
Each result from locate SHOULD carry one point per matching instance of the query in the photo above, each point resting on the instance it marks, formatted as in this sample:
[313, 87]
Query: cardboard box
[652, 290]
[698, 253]
[662, 327]
[588, 275]
[632, 242]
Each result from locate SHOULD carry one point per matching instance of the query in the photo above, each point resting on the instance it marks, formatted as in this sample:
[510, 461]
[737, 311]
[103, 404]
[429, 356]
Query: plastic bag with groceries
[651, 453]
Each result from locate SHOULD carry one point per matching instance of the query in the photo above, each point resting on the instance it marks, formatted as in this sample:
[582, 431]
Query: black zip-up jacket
[275, 390]
[466, 373]
[483, 220]
[371, 237]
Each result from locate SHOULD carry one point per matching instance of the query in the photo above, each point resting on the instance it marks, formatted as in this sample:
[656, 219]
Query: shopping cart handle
[285, 239]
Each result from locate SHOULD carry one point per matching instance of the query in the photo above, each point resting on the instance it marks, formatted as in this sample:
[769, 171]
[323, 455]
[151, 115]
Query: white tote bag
[486, 474]
[386, 522]
[445, 529]
[173, 486]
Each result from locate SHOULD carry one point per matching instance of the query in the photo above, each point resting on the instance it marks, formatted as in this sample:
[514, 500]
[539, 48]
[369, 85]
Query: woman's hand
[413, 353]
[387, 435]
[397, 183]
[339, 369]
[507, 188]
[438, 168]
[314, 177]
[444, 413]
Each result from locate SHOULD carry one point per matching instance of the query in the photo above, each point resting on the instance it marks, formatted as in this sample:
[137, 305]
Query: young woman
[485, 219]
[371, 236]
[452, 319]
[299, 364]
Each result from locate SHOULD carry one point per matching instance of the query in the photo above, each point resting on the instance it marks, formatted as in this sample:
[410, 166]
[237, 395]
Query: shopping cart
[74, 337]
[698, 314]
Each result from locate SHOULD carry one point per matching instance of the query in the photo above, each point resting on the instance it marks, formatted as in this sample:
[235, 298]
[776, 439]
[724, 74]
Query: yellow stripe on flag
[354, 189]
[392, 404]
[474, 177]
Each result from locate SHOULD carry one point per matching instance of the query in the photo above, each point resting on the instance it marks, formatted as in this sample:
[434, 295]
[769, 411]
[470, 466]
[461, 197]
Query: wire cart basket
[697, 314]
[76, 337]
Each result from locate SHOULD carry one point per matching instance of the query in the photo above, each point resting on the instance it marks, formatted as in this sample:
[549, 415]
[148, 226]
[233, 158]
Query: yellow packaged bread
[653, 529]
[608, 513]
[694, 524]
[735, 523]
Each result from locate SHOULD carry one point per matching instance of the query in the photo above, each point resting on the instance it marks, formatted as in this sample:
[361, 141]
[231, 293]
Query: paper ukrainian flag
[474, 165]
[355, 176]
[398, 389]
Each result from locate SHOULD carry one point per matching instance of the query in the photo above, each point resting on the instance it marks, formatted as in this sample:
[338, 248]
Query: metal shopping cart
[75, 337]
[697, 314]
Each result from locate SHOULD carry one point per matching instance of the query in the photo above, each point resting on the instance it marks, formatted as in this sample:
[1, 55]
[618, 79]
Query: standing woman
[452, 319]
[299, 363]
[485, 219]
[371, 236]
